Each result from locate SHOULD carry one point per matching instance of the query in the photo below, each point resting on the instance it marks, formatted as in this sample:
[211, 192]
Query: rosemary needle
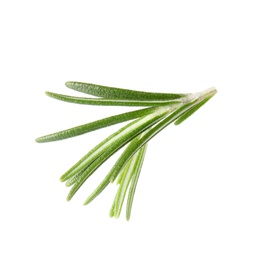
[134, 180]
[89, 127]
[118, 93]
[111, 102]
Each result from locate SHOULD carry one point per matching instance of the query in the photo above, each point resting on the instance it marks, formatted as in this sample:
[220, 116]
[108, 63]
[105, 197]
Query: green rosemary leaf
[133, 169]
[139, 126]
[123, 187]
[118, 93]
[130, 129]
[98, 190]
[136, 173]
[110, 102]
[105, 122]
[122, 174]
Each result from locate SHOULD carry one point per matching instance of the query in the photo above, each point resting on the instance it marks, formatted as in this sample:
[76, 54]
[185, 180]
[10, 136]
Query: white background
[198, 196]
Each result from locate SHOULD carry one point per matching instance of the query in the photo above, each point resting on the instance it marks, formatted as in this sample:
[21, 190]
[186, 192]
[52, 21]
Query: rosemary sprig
[163, 109]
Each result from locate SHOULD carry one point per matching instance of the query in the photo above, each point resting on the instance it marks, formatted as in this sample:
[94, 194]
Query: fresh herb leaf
[111, 102]
[119, 93]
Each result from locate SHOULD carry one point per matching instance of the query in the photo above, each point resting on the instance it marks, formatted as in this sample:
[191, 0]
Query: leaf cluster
[161, 109]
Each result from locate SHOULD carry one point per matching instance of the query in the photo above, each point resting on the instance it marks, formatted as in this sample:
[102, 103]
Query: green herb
[162, 110]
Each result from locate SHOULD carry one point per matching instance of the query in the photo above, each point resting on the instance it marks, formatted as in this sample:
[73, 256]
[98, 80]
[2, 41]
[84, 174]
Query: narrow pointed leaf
[133, 169]
[92, 126]
[119, 93]
[98, 190]
[134, 180]
[110, 102]
[121, 175]
[123, 188]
